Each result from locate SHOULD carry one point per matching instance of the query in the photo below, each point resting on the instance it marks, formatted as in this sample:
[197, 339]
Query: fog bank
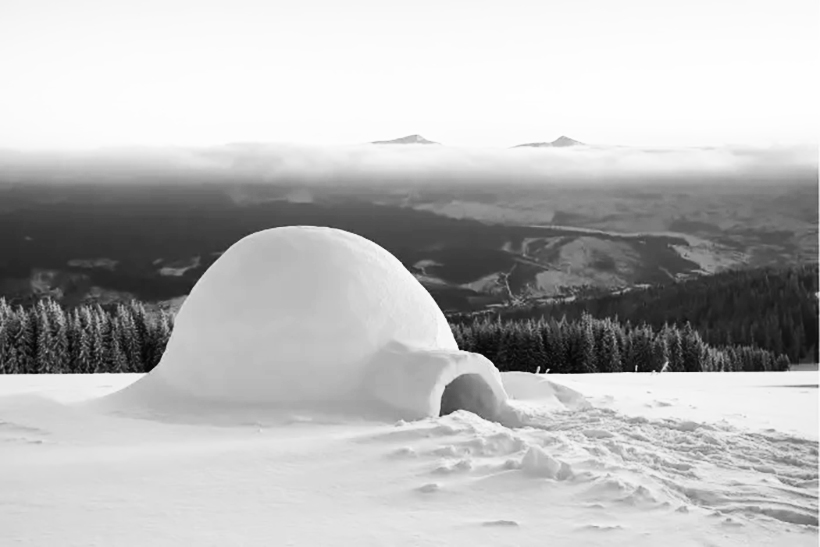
[361, 164]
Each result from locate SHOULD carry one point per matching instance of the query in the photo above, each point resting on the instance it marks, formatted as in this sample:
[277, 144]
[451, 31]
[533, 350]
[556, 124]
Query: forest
[770, 308]
[48, 339]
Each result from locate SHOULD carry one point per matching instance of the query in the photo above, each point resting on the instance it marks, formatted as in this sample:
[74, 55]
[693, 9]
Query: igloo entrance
[469, 392]
[419, 383]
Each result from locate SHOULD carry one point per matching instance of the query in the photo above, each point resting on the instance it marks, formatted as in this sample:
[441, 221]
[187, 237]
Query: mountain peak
[560, 142]
[410, 139]
[563, 140]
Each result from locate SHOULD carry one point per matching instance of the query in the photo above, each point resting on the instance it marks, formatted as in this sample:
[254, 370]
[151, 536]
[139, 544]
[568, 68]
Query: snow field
[560, 468]
[272, 419]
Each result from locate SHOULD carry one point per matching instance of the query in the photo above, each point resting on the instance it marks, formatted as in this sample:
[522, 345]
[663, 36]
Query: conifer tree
[660, 352]
[26, 342]
[586, 346]
[84, 350]
[159, 339]
[101, 334]
[59, 337]
[130, 341]
[692, 349]
[550, 340]
[117, 358]
[16, 359]
[609, 357]
[8, 323]
[45, 358]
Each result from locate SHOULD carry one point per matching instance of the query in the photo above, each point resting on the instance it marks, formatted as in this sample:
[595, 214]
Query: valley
[493, 245]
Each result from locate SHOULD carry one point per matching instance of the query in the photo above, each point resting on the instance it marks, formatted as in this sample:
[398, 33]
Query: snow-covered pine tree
[13, 356]
[117, 356]
[75, 332]
[691, 348]
[640, 349]
[586, 350]
[82, 344]
[130, 339]
[26, 341]
[45, 358]
[100, 335]
[554, 348]
[61, 358]
[674, 348]
[660, 352]
[8, 323]
[535, 346]
[608, 356]
[164, 326]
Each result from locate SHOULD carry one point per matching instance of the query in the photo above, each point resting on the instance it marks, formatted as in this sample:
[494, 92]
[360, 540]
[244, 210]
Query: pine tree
[117, 357]
[13, 358]
[640, 350]
[8, 323]
[674, 348]
[26, 342]
[159, 339]
[59, 337]
[609, 357]
[660, 352]
[100, 335]
[45, 356]
[692, 349]
[586, 346]
[130, 339]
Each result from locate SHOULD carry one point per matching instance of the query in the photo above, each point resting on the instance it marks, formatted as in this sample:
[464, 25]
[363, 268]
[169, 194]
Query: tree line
[588, 345]
[47, 338]
[770, 308]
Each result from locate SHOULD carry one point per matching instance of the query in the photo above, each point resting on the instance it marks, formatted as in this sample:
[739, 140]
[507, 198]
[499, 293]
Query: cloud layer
[419, 164]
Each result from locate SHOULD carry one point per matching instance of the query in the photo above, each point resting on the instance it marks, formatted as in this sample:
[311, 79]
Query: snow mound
[421, 383]
[306, 315]
[540, 389]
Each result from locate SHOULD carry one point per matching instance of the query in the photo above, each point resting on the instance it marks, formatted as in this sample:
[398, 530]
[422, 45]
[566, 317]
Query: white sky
[462, 72]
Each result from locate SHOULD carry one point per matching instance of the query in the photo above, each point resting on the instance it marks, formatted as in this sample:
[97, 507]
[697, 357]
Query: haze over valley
[478, 227]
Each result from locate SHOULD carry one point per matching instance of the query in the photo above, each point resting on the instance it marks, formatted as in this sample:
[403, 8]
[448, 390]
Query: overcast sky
[78, 73]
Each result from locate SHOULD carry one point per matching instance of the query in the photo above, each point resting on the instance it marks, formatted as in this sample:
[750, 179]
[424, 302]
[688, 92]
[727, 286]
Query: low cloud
[408, 164]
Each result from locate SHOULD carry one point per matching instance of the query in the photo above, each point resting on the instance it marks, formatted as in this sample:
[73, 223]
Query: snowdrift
[307, 316]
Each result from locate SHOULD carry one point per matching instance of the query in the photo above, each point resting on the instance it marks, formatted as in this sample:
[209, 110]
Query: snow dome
[317, 315]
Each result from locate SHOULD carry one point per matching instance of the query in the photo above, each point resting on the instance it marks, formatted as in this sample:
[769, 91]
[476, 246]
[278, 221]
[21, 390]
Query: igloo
[306, 315]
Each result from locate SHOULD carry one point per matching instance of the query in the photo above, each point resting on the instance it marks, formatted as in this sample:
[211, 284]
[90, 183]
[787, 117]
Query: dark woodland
[770, 308]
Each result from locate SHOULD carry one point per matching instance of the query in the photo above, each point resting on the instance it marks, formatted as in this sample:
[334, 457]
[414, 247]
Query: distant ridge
[560, 142]
[410, 139]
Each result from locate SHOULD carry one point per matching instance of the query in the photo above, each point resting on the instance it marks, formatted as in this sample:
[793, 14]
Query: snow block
[301, 315]
[421, 383]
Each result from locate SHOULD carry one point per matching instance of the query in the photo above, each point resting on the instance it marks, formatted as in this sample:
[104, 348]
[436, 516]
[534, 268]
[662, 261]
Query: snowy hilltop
[561, 142]
[409, 139]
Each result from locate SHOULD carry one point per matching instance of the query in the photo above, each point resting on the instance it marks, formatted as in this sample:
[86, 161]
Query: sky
[81, 73]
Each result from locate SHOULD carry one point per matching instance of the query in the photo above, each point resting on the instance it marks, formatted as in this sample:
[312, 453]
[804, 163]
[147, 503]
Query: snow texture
[306, 316]
[728, 460]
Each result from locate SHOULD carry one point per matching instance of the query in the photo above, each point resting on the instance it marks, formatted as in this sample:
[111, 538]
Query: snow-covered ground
[631, 459]
[271, 420]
